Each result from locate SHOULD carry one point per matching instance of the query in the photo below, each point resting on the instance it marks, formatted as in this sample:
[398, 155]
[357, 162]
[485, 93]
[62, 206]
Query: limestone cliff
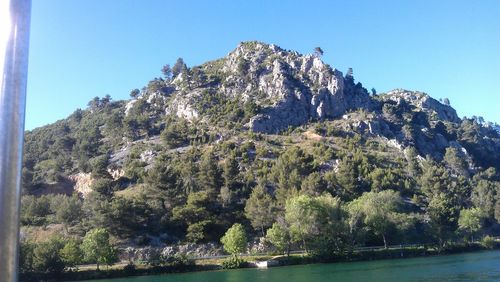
[290, 89]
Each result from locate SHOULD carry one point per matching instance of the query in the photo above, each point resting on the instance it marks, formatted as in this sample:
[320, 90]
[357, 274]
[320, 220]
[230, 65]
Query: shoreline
[204, 265]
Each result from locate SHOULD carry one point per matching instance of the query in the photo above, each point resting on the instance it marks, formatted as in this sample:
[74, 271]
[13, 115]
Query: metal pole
[14, 45]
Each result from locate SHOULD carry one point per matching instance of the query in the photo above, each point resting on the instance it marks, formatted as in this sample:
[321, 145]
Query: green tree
[96, 210]
[243, 66]
[446, 195]
[332, 227]
[27, 180]
[484, 196]
[231, 170]
[260, 209]
[197, 231]
[486, 190]
[352, 174]
[209, 175]
[290, 168]
[443, 217]
[47, 171]
[279, 237]
[378, 210]
[413, 166]
[194, 209]
[99, 166]
[196, 216]
[318, 52]
[94, 103]
[113, 127]
[355, 223]
[235, 240]
[103, 186]
[164, 182]
[313, 184]
[230, 173]
[175, 134]
[88, 142]
[69, 210]
[167, 71]
[128, 216]
[385, 179]
[96, 247]
[26, 254]
[456, 162]
[46, 256]
[316, 222]
[470, 221]
[134, 93]
[179, 67]
[71, 254]
[300, 214]
[34, 210]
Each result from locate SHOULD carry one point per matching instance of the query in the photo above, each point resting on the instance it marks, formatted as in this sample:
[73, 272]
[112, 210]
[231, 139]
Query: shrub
[97, 249]
[129, 268]
[181, 260]
[71, 254]
[488, 242]
[233, 262]
[46, 258]
[235, 240]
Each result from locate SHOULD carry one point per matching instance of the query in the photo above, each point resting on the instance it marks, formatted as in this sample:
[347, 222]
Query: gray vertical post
[14, 43]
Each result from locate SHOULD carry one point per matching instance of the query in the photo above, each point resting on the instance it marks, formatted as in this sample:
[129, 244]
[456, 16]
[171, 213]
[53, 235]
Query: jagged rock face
[368, 124]
[290, 88]
[424, 102]
[183, 105]
[302, 88]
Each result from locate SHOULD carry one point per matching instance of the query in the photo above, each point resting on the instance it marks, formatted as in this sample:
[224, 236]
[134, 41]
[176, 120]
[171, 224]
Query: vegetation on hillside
[325, 187]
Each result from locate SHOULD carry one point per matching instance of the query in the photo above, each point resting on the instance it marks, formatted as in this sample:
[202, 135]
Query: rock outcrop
[423, 102]
[82, 183]
[290, 88]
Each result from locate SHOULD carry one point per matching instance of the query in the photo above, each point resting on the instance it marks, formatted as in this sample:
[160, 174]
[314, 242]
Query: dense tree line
[195, 196]
[57, 253]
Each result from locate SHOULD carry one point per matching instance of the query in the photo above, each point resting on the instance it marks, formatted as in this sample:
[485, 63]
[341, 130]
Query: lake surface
[480, 266]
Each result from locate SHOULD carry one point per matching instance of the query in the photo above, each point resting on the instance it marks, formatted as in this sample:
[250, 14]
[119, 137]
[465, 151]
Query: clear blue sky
[83, 49]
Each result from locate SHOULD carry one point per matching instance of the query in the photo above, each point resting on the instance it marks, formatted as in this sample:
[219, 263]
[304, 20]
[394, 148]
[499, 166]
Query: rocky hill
[182, 158]
[290, 89]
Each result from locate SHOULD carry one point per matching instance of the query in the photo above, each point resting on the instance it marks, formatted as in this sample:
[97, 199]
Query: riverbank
[469, 266]
[126, 270]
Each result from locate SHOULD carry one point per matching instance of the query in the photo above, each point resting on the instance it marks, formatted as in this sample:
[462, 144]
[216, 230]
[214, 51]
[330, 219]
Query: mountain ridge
[281, 82]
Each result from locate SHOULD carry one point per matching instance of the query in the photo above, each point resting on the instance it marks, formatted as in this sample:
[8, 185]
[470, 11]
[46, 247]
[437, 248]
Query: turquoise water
[480, 266]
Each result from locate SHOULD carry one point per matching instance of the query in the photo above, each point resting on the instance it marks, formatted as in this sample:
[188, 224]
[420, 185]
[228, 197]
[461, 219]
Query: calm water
[481, 266]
